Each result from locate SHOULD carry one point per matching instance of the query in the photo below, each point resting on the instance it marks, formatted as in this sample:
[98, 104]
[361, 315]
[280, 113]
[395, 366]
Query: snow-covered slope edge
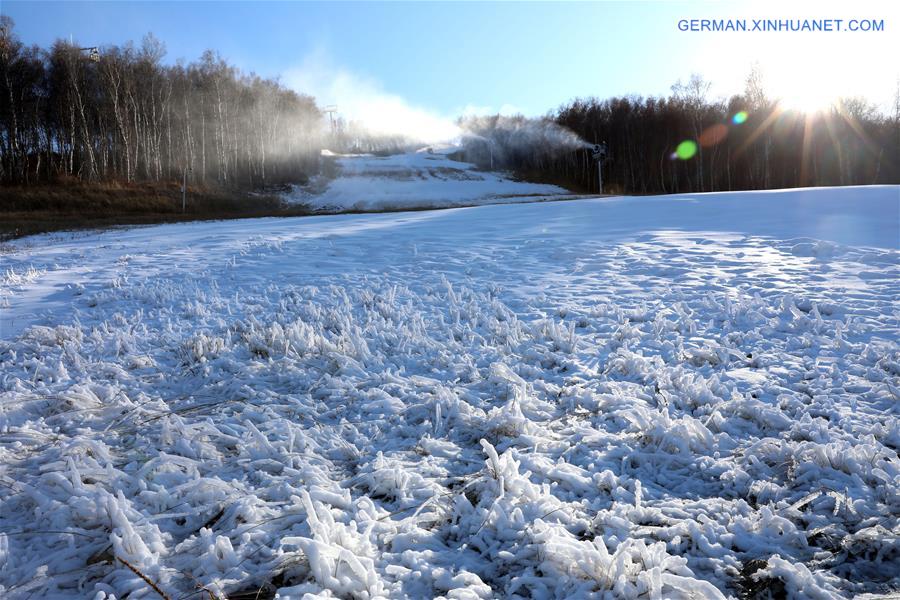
[661, 397]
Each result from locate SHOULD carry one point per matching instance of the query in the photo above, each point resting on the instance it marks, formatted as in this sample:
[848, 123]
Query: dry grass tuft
[146, 579]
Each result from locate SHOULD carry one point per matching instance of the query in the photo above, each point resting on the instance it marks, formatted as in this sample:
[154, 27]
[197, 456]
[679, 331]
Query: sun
[807, 90]
[807, 100]
[810, 77]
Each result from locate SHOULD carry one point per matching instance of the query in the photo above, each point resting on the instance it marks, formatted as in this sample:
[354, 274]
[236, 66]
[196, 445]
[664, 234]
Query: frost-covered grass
[536, 401]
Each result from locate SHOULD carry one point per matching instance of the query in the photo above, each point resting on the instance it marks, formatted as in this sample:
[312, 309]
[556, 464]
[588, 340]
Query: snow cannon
[600, 152]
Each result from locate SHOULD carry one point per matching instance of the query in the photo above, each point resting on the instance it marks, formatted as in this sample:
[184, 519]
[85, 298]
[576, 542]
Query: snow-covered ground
[686, 396]
[423, 179]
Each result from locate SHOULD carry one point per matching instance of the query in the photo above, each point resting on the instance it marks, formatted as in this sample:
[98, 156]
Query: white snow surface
[417, 180]
[670, 397]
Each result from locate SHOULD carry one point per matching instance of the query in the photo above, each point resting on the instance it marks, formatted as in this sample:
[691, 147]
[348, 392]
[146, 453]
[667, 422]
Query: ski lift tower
[600, 152]
[330, 110]
[93, 53]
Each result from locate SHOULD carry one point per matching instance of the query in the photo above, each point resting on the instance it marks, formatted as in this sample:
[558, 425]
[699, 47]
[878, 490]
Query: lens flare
[686, 149]
[739, 117]
[713, 135]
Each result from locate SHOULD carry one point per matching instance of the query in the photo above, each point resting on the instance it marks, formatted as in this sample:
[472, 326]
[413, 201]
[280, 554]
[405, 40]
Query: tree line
[746, 142]
[119, 113]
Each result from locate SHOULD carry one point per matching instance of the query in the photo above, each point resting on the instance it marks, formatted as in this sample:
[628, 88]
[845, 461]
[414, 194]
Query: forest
[688, 142]
[120, 113]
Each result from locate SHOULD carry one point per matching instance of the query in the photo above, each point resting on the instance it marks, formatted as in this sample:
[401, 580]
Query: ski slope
[414, 180]
[665, 397]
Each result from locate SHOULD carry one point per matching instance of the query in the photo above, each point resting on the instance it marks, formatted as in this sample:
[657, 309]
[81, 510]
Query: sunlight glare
[807, 100]
[810, 82]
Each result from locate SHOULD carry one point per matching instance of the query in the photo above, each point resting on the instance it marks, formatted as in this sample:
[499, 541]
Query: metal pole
[600, 173]
[183, 191]
[491, 148]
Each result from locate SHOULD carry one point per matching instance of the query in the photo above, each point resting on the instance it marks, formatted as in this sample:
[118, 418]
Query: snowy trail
[654, 397]
[420, 179]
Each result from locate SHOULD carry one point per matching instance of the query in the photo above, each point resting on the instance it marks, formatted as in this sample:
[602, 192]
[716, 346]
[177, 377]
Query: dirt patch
[37, 209]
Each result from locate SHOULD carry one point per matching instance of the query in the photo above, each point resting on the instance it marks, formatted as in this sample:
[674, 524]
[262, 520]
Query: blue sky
[445, 58]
